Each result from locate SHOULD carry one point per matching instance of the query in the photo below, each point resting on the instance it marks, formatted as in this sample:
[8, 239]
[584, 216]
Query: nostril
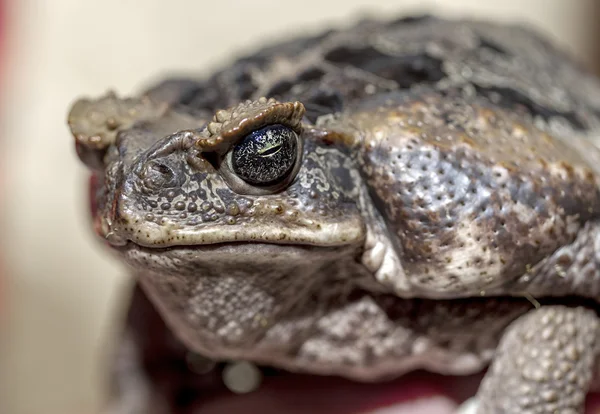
[158, 175]
[161, 168]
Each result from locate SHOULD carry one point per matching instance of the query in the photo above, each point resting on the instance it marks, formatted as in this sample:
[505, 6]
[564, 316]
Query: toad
[416, 194]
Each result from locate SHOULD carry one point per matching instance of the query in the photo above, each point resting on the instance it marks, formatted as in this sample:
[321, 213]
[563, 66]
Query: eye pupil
[265, 156]
[267, 152]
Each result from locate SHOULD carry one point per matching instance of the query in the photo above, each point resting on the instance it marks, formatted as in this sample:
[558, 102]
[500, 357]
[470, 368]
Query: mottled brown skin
[443, 213]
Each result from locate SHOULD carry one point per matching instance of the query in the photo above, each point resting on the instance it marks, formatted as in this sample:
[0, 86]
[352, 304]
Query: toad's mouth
[122, 224]
[157, 236]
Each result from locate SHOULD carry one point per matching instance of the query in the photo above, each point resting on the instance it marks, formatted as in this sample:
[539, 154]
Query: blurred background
[62, 294]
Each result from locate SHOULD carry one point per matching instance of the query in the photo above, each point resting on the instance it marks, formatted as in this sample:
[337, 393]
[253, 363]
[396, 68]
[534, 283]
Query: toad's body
[401, 199]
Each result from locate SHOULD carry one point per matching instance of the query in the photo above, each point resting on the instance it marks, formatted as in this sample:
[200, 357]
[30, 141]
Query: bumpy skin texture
[543, 379]
[446, 185]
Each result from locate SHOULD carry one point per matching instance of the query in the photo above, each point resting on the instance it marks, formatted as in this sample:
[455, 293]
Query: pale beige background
[64, 290]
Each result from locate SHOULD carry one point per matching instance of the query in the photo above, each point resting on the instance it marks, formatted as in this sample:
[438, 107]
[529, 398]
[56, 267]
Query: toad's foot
[545, 363]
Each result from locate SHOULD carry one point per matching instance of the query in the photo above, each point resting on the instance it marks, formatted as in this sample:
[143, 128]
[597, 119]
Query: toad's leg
[545, 363]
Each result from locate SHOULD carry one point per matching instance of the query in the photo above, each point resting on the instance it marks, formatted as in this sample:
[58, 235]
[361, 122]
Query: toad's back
[508, 64]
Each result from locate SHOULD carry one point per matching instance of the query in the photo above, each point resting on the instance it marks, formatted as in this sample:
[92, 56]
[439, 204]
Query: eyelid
[230, 126]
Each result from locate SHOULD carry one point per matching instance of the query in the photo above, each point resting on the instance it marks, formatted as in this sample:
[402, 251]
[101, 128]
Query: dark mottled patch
[188, 96]
[311, 74]
[402, 21]
[362, 56]
[405, 70]
[288, 48]
[488, 44]
[321, 102]
[510, 98]
[241, 82]
[280, 88]
[207, 98]
[179, 91]
[343, 177]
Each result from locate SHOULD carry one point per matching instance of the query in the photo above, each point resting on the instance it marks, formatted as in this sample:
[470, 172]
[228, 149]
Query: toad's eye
[265, 156]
